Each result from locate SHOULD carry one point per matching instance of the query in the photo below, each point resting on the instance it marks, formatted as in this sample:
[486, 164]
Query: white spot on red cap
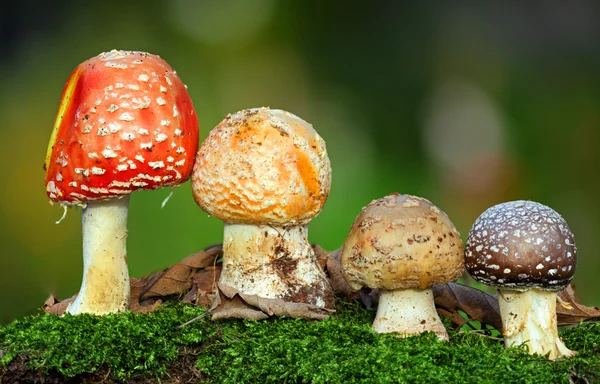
[161, 137]
[98, 171]
[178, 132]
[163, 89]
[140, 158]
[180, 150]
[141, 103]
[133, 87]
[127, 136]
[146, 145]
[98, 101]
[175, 111]
[117, 183]
[126, 116]
[143, 77]
[112, 108]
[114, 127]
[156, 164]
[92, 155]
[180, 163]
[122, 167]
[165, 123]
[160, 101]
[112, 64]
[107, 153]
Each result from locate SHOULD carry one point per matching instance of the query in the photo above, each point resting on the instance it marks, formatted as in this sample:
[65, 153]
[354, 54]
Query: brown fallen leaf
[477, 305]
[570, 311]
[178, 277]
[336, 278]
[204, 286]
[54, 306]
[231, 303]
[321, 255]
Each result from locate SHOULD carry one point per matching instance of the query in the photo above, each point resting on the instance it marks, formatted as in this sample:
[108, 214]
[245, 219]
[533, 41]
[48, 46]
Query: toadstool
[403, 245]
[125, 122]
[526, 250]
[265, 173]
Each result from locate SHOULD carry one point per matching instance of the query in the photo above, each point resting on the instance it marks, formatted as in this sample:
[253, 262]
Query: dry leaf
[204, 286]
[321, 255]
[231, 303]
[477, 305]
[178, 278]
[336, 278]
[55, 307]
[577, 312]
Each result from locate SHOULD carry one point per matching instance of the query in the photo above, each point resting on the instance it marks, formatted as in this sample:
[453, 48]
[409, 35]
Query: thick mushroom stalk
[105, 284]
[408, 312]
[529, 318]
[272, 262]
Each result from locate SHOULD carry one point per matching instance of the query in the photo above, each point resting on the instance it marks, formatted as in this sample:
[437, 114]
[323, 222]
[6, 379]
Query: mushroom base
[105, 285]
[408, 312]
[274, 263]
[529, 318]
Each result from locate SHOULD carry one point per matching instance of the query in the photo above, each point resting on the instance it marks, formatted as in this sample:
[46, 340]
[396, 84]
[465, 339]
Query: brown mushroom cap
[400, 242]
[521, 244]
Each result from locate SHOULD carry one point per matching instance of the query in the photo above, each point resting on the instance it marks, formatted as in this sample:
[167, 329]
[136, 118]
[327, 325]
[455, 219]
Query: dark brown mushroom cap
[520, 245]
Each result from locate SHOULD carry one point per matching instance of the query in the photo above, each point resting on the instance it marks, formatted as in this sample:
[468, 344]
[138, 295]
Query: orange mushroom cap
[262, 166]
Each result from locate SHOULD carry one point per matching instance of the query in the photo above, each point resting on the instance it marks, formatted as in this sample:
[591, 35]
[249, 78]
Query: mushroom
[265, 173]
[125, 122]
[403, 245]
[526, 250]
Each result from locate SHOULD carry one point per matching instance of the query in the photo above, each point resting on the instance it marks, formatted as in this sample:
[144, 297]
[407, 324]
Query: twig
[194, 319]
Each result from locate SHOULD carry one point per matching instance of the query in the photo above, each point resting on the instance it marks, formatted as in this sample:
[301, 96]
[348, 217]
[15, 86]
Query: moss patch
[144, 347]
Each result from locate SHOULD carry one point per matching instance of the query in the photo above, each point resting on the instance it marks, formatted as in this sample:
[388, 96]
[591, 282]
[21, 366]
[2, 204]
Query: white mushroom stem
[408, 312]
[273, 262]
[105, 285]
[529, 318]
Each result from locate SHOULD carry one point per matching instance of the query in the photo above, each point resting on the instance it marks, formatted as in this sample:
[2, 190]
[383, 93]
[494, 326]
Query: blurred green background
[466, 105]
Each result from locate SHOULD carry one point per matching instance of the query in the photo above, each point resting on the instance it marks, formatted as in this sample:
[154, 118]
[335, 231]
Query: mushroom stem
[529, 317]
[105, 285]
[408, 312]
[275, 263]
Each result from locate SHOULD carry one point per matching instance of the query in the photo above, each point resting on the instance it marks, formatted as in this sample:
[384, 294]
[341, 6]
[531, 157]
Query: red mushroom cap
[125, 122]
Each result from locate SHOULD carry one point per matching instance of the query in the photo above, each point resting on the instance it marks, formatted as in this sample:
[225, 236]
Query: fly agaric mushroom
[403, 245]
[265, 173]
[125, 123]
[526, 250]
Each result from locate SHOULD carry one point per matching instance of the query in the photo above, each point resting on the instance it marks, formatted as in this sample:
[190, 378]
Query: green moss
[128, 343]
[341, 349]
